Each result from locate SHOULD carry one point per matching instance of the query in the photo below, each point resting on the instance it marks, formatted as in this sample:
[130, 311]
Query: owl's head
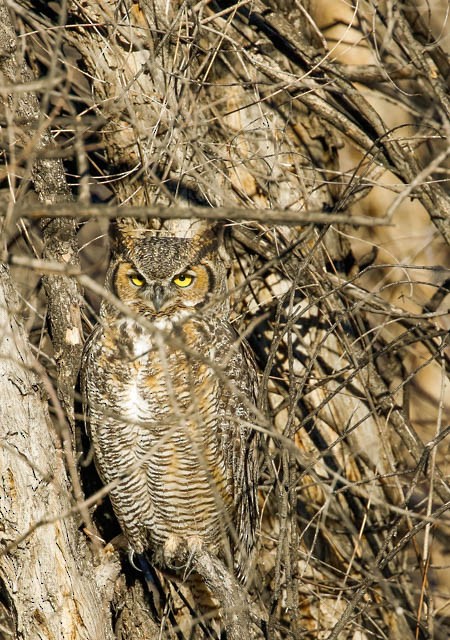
[162, 276]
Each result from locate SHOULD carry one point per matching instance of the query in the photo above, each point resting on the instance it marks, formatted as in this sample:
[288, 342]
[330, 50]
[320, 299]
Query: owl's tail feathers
[140, 562]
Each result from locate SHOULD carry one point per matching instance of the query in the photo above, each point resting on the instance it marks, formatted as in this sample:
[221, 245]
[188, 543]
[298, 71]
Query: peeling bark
[48, 585]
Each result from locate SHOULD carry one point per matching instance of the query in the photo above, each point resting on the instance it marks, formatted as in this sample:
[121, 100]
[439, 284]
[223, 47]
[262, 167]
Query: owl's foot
[172, 547]
[194, 543]
[173, 553]
[178, 552]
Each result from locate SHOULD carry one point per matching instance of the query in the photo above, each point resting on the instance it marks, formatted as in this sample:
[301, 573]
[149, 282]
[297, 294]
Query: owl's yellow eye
[183, 280]
[137, 280]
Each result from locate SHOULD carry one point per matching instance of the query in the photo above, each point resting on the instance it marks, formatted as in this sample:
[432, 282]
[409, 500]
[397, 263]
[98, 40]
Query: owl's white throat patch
[142, 342]
[166, 323]
[142, 345]
[134, 404]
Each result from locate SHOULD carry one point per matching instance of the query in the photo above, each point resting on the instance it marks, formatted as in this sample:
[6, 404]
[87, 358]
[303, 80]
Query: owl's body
[169, 405]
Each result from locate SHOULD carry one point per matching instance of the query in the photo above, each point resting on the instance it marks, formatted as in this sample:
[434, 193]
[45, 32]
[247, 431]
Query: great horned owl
[169, 404]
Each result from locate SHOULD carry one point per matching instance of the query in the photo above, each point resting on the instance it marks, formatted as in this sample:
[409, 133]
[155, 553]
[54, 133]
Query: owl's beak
[159, 296]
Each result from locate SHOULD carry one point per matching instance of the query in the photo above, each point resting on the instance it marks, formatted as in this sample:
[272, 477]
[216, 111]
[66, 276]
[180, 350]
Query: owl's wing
[88, 359]
[239, 439]
[104, 375]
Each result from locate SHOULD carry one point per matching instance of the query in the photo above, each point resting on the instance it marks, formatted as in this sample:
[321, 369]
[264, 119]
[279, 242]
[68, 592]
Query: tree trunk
[48, 583]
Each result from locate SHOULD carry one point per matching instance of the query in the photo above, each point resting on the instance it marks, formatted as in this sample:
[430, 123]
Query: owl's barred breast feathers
[169, 411]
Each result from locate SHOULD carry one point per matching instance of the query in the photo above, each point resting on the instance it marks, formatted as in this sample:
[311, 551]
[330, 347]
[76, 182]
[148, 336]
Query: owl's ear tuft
[124, 232]
[210, 241]
[204, 237]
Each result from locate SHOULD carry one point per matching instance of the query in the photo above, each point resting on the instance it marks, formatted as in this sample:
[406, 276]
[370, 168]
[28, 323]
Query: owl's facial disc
[149, 294]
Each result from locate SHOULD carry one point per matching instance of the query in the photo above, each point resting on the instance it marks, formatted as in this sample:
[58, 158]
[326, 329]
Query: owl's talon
[131, 556]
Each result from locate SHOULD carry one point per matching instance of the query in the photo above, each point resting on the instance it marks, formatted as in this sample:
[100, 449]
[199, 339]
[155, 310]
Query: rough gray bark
[22, 111]
[48, 584]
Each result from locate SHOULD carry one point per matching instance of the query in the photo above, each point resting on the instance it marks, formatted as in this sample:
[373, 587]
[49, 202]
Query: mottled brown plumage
[169, 407]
